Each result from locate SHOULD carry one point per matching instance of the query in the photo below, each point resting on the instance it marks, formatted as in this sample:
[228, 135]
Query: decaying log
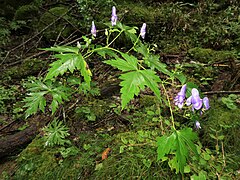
[9, 144]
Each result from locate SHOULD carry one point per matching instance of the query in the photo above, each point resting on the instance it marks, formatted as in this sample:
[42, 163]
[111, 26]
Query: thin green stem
[97, 49]
[115, 38]
[134, 44]
[169, 103]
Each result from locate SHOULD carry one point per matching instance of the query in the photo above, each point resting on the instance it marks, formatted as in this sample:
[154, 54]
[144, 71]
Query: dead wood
[9, 144]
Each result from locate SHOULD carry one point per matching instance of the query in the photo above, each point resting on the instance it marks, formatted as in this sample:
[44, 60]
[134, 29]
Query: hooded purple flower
[197, 124]
[195, 100]
[143, 30]
[114, 16]
[93, 29]
[179, 99]
[206, 103]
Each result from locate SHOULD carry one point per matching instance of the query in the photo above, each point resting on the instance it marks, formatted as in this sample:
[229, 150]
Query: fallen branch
[221, 92]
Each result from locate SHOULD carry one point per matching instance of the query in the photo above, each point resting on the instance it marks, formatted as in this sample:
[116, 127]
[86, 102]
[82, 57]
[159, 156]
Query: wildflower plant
[137, 73]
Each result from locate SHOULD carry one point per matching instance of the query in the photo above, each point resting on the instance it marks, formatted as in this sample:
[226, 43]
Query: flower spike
[143, 30]
[206, 103]
[93, 29]
[179, 99]
[114, 16]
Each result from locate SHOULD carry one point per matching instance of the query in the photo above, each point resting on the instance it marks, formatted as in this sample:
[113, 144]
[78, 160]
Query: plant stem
[134, 44]
[169, 103]
[115, 38]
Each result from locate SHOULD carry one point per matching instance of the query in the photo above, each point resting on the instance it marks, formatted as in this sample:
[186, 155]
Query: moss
[91, 110]
[26, 12]
[60, 26]
[147, 100]
[226, 122]
[28, 67]
[39, 162]
[208, 55]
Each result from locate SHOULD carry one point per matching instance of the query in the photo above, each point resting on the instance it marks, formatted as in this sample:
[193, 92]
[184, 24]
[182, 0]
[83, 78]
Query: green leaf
[65, 62]
[201, 176]
[38, 90]
[69, 62]
[184, 141]
[130, 63]
[151, 80]
[55, 133]
[135, 81]
[181, 77]
[153, 61]
[165, 144]
[84, 70]
[105, 51]
[63, 49]
[35, 101]
[143, 49]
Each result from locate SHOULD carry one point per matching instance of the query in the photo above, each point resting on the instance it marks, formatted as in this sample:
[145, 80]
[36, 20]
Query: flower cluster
[114, 22]
[194, 100]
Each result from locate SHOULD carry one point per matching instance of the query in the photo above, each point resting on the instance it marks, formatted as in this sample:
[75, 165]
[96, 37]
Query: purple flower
[114, 16]
[143, 30]
[179, 99]
[93, 29]
[206, 103]
[197, 124]
[195, 100]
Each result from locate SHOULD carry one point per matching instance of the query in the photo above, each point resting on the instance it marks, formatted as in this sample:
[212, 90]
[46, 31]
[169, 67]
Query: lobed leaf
[165, 145]
[153, 61]
[184, 141]
[35, 101]
[135, 81]
[63, 49]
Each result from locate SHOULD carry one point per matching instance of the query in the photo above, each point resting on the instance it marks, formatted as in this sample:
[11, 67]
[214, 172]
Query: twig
[221, 92]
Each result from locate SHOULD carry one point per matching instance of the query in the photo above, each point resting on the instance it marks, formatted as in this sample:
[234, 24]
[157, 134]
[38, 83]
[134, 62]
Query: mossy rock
[137, 13]
[26, 12]
[209, 56]
[60, 26]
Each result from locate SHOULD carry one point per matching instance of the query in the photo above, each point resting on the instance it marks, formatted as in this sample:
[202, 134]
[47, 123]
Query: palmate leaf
[105, 51]
[59, 94]
[69, 62]
[63, 49]
[36, 98]
[56, 133]
[35, 101]
[165, 144]
[130, 63]
[135, 81]
[178, 143]
[153, 61]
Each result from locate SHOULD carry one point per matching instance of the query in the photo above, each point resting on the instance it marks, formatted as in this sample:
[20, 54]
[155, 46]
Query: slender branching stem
[169, 103]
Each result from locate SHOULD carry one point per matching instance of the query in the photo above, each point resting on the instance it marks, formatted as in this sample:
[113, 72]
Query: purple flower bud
[197, 124]
[206, 103]
[114, 16]
[179, 99]
[195, 100]
[143, 30]
[93, 29]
